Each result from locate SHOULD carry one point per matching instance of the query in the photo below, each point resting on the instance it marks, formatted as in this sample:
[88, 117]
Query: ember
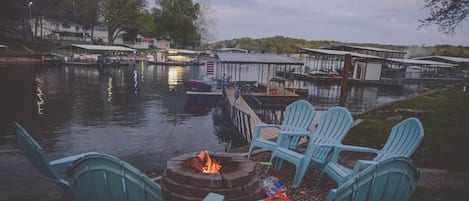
[205, 163]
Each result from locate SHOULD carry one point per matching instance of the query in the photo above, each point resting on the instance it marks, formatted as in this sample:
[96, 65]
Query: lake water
[139, 114]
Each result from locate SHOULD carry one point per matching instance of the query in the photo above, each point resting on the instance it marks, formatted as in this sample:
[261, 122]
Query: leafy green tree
[120, 15]
[176, 19]
[446, 14]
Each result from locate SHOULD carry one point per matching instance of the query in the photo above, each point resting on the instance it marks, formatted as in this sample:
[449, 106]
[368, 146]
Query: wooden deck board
[266, 133]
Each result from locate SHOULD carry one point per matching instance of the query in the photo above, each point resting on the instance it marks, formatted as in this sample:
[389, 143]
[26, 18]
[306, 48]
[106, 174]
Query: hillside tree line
[177, 20]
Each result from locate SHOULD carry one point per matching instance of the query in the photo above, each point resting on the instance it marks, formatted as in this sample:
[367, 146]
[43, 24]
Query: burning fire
[211, 165]
[205, 163]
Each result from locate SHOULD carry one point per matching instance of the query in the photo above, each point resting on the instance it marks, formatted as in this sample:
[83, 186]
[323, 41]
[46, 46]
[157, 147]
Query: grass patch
[445, 119]
[15, 47]
[442, 194]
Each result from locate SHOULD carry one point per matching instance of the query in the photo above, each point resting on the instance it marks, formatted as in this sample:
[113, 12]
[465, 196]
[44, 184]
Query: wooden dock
[213, 92]
[245, 119]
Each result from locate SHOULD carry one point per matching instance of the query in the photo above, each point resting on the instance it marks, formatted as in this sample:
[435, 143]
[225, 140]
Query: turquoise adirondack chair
[332, 128]
[404, 139]
[38, 159]
[298, 118]
[102, 177]
[393, 179]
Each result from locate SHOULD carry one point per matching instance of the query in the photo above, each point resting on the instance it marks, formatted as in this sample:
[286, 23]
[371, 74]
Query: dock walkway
[247, 124]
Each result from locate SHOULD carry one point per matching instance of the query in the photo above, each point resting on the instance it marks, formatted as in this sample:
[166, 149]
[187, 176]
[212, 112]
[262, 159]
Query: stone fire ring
[237, 177]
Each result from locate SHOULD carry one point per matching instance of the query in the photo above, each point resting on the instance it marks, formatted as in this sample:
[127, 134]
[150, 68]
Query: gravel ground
[437, 182]
[307, 189]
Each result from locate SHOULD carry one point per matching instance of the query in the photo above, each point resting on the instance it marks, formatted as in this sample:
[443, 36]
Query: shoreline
[19, 60]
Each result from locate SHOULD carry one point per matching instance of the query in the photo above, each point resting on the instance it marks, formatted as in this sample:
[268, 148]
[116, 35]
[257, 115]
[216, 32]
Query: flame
[211, 165]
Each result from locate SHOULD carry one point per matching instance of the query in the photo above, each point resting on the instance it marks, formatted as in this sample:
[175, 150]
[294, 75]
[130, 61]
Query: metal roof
[451, 59]
[230, 50]
[375, 49]
[421, 62]
[242, 58]
[183, 51]
[341, 53]
[104, 47]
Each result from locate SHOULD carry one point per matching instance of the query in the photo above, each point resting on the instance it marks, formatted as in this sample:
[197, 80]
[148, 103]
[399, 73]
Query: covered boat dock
[366, 67]
[232, 64]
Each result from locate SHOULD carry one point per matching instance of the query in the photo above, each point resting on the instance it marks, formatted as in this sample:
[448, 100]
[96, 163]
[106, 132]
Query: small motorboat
[197, 85]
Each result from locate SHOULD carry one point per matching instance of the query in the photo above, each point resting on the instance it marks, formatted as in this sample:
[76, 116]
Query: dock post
[343, 86]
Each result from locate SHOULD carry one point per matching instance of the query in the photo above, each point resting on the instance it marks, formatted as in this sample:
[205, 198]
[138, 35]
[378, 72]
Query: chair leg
[278, 164]
[249, 152]
[320, 179]
[299, 174]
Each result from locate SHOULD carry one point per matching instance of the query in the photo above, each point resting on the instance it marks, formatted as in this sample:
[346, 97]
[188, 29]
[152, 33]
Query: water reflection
[109, 89]
[174, 77]
[39, 94]
[136, 81]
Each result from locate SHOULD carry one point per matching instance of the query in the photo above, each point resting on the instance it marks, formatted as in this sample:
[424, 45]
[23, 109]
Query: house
[162, 43]
[58, 30]
[68, 33]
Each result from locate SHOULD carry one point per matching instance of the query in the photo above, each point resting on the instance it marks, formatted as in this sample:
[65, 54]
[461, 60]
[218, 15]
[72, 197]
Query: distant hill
[286, 45]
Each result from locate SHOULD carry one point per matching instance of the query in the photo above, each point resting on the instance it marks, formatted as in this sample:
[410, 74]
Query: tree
[176, 19]
[446, 14]
[204, 21]
[119, 15]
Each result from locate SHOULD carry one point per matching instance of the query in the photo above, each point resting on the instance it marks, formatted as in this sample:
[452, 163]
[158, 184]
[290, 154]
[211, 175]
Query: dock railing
[241, 119]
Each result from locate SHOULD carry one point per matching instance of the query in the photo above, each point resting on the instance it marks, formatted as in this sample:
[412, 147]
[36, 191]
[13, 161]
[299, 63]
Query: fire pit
[183, 178]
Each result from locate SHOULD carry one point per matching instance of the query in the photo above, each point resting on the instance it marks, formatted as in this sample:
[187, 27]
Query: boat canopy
[425, 63]
[338, 53]
[242, 58]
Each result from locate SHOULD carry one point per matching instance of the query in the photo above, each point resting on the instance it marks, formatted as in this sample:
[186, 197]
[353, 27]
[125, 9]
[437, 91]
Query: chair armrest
[258, 127]
[295, 133]
[360, 165]
[338, 149]
[285, 136]
[68, 161]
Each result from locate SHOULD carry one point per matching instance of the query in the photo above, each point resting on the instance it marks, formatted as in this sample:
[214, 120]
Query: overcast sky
[361, 21]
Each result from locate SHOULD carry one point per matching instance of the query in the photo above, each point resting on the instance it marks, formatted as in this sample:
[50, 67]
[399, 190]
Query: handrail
[241, 120]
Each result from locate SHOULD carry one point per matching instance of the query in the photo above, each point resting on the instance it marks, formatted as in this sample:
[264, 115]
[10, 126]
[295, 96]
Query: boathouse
[266, 66]
[380, 52]
[93, 54]
[458, 61]
[365, 67]
[414, 68]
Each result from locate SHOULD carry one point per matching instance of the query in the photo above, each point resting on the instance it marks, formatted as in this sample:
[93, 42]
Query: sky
[356, 21]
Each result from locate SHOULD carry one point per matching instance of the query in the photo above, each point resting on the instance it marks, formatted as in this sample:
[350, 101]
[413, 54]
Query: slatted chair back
[298, 116]
[36, 155]
[332, 128]
[394, 179]
[102, 177]
[403, 140]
